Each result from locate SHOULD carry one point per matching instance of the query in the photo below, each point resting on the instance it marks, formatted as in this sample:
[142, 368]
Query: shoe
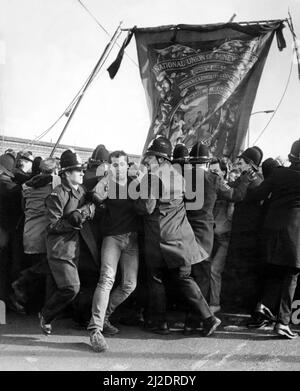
[161, 328]
[210, 325]
[284, 331]
[177, 325]
[259, 324]
[188, 330]
[215, 308]
[19, 294]
[81, 324]
[15, 305]
[110, 329]
[46, 327]
[264, 312]
[136, 319]
[192, 328]
[98, 341]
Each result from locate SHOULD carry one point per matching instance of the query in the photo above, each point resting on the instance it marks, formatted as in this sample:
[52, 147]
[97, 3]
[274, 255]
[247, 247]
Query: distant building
[43, 148]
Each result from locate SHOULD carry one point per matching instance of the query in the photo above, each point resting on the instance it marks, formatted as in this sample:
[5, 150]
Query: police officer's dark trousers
[188, 288]
[65, 276]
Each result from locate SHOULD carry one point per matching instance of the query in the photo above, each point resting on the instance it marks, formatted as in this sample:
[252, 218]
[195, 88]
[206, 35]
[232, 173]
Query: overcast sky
[51, 47]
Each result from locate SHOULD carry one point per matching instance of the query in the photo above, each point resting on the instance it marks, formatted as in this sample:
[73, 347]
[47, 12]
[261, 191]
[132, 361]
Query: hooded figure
[100, 155]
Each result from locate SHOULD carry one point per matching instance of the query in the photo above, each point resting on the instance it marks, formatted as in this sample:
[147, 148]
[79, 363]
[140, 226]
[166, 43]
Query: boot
[109, 329]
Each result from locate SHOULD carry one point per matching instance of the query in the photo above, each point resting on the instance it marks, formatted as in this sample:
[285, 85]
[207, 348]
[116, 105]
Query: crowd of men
[180, 230]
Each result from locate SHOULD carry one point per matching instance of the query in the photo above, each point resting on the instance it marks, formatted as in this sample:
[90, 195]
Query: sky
[49, 47]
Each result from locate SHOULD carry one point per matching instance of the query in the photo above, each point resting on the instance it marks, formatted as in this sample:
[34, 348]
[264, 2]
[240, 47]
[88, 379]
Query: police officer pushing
[67, 212]
[170, 244]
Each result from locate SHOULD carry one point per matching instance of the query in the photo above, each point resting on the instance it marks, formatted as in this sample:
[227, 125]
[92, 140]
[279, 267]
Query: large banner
[201, 81]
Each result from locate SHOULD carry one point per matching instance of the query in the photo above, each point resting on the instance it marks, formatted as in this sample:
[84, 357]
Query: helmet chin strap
[159, 160]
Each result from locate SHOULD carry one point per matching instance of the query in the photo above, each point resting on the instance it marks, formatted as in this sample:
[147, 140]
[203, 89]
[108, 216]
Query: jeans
[116, 250]
[221, 243]
[188, 288]
[279, 291]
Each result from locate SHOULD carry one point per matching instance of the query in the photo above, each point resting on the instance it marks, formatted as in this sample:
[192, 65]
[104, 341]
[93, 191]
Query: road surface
[232, 347]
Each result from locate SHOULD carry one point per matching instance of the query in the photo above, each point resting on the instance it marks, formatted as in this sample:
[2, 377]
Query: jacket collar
[76, 193]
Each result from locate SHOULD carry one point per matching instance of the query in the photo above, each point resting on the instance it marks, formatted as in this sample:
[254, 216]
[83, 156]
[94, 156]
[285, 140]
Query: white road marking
[31, 359]
[199, 364]
[227, 356]
[119, 367]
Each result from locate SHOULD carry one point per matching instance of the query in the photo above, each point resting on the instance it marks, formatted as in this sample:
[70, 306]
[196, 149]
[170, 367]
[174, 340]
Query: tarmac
[233, 347]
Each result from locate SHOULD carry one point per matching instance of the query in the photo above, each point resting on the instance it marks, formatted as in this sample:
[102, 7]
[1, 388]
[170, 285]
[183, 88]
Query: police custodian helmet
[199, 153]
[70, 160]
[160, 147]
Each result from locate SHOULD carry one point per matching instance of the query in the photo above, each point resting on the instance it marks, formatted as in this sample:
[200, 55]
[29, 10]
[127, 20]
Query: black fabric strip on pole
[90, 79]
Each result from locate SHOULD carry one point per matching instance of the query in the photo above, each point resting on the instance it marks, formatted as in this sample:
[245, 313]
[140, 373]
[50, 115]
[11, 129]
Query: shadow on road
[67, 350]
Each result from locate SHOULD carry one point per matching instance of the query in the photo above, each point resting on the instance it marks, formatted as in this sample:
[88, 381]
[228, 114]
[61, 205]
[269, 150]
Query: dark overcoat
[62, 239]
[281, 229]
[10, 207]
[202, 219]
[169, 238]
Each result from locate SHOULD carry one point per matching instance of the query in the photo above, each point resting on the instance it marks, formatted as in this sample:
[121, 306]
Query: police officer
[281, 234]
[67, 211]
[180, 154]
[170, 245]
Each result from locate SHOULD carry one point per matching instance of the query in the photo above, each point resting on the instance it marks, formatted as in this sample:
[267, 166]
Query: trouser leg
[110, 255]
[288, 287]
[65, 275]
[157, 306]
[32, 277]
[17, 253]
[128, 263]
[217, 267]
[59, 301]
[272, 289]
[50, 287]
[201, 274]
[191, 292]
[4, 275]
